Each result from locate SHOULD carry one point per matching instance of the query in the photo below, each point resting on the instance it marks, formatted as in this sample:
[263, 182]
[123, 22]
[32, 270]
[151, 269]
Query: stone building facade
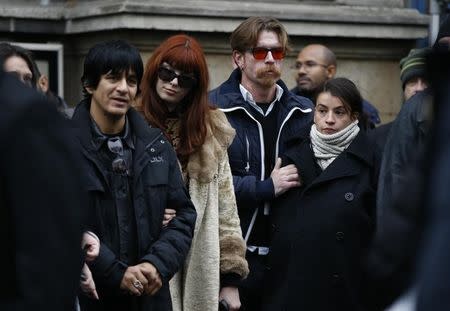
[369, 37]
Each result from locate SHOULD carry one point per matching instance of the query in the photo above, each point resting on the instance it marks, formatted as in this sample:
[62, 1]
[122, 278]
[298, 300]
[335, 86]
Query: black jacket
[322, 229]
[41, 203]
[400, 212]
[157, 184]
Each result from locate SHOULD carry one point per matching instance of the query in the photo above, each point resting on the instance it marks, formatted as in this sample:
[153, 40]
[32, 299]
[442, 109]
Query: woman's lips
[170, 91]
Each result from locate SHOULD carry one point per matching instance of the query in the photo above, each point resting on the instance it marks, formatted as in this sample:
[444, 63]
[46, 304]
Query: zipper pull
[247, 167]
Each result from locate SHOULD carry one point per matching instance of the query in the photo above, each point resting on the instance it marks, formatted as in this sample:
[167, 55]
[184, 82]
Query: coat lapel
[343, 166]
[304, 160]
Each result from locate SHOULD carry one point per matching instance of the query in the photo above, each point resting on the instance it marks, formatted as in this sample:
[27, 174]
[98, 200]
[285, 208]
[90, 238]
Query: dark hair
[116, 56]
[245, 36]
[183, 53]
[347, 92]
[7, 50]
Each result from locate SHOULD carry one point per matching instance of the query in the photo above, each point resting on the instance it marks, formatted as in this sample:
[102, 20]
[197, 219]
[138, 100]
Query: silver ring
[138, 284]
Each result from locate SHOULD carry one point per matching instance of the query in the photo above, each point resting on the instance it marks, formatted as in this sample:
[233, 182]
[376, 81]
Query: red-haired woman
[174, 99]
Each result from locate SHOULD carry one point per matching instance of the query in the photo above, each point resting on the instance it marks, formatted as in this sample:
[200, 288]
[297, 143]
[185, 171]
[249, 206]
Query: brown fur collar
[203, 164]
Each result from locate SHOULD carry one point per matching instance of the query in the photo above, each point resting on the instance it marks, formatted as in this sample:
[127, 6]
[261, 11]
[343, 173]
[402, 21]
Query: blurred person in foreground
[404, 192]
[41, 203]
[433, 289]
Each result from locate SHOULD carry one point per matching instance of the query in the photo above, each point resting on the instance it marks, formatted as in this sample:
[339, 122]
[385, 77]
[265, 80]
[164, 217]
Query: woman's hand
[87, 283]
[91, 244]
[169, 214]
[231, 296]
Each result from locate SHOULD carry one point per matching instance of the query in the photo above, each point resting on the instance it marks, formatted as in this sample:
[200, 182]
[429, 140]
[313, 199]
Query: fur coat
[217, 247]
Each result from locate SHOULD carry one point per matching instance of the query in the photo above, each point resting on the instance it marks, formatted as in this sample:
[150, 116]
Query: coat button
[339, 236]
[162, 141]
[152, 149]
[349, 196]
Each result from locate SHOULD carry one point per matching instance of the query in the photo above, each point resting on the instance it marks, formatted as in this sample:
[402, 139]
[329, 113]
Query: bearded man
[264, 114]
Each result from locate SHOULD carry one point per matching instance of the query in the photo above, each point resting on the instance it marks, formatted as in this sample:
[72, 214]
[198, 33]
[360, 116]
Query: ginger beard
[268, 75]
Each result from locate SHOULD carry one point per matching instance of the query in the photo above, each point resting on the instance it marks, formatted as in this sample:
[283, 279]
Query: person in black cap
[412, 72]
[412, 75]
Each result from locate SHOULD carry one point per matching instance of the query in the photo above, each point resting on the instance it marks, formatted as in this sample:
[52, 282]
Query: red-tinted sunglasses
[168, 75]
[260, 53]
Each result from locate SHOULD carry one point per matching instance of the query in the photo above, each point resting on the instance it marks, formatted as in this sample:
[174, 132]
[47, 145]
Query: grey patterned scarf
[327, 147]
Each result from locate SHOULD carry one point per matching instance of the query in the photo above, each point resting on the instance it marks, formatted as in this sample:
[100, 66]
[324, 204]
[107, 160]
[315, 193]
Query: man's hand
[231, 296]
[284, 178]
[134, 281]
[169, 214]
[91, 244]
[87, 283]
[154, 281]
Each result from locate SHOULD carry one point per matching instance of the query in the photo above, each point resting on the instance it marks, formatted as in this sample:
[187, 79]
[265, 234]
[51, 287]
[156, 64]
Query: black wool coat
[322, 230]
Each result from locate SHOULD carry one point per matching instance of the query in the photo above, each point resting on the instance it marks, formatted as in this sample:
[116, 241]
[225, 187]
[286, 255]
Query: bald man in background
[315, 65]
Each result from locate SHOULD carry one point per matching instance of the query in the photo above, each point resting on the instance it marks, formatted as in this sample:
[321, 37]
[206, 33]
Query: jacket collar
[98, 138]
[137, 125]
[203, 164]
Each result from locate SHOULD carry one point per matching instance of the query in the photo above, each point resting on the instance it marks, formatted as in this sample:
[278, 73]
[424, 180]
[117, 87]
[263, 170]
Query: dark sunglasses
[168, 75]
[260, 53]
[119, 165]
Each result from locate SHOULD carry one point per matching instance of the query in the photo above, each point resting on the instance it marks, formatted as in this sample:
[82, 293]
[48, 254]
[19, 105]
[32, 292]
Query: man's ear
[43, 83]
[331, 71]
[89, 89]
[239, 59]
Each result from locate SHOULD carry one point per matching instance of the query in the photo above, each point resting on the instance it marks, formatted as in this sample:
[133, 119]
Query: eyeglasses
[184, 80]
[119, 165]
[260, 53]
[308, 65]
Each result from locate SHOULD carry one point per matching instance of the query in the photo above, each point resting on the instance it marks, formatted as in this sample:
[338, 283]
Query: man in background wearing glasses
[315, 65]
[131, 175]
[264, 114]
